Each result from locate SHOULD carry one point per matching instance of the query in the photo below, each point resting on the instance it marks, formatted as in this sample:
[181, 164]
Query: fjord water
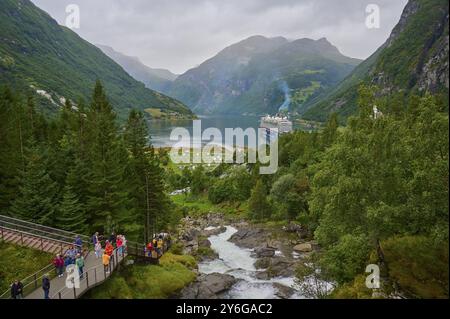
[238, 262]
[160, 129]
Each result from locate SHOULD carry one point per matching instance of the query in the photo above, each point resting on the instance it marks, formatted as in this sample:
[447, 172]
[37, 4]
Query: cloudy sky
[180, 34]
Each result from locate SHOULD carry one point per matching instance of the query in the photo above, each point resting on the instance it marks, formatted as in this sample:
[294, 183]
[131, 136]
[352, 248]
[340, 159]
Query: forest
[375, 191]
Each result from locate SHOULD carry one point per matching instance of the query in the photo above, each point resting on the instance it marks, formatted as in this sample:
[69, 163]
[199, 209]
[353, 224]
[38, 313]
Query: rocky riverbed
[241, 260]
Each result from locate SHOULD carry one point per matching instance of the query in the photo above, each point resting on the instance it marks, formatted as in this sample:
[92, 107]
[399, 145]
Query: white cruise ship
[280, 122]
[270, 123]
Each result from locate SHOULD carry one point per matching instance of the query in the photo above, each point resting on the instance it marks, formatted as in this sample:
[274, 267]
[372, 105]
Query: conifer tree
[37, 198]
[108, 196]
[258, 204]
[71, 213]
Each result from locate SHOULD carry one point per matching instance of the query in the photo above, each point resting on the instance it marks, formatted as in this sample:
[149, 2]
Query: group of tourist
[156, 247]
[74, 256]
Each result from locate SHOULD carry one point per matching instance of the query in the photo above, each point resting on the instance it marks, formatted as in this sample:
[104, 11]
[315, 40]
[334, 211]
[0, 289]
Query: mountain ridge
[255, 75]
[154, 78]
[53, 63]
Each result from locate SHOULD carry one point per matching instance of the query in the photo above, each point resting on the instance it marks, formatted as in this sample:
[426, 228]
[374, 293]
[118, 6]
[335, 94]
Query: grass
[201, 205]
[17, 262]
[149, 281]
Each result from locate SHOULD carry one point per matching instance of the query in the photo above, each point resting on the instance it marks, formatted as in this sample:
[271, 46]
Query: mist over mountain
[261, 75]
[54, 64]
[414, 59]
[155, 79]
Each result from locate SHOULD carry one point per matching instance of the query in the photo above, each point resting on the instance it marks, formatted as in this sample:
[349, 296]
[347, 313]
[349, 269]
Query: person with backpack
[46, 286]
[17, 290]
[80, 265]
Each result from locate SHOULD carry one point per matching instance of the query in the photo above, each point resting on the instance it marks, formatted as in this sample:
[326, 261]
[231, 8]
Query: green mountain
[261, 75]
[155, 79]
[38, 55]
[413, 59]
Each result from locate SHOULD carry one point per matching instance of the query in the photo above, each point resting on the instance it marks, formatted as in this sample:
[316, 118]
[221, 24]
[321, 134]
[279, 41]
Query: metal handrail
[37, 230]
[46, 268]
[34, 277]
[115, 261]
[51, 229]
[40, 236]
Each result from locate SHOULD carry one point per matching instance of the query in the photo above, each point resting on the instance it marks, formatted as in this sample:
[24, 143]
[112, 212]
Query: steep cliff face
[413, 59]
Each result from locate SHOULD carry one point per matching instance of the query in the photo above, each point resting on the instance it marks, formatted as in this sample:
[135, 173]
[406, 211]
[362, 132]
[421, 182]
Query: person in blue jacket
[78, 244]
[46, 286]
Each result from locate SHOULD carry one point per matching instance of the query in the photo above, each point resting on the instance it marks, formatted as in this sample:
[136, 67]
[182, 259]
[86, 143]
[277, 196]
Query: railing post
[35, 281]
[42, 244]
[21, 238]
[95, 275]
[61, 249]
[117, 258]
[59, 295]
[87, 278]
[74, 292]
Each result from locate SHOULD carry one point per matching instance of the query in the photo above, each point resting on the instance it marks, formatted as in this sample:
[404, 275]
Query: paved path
[93, 276]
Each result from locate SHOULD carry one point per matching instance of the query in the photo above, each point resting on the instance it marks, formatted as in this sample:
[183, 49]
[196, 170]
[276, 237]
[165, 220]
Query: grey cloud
[179, 34]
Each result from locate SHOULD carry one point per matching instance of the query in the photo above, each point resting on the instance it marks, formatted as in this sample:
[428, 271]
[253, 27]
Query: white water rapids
[238, 262]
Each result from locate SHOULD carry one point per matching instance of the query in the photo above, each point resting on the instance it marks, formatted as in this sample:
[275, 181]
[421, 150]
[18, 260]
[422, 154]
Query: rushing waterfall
[239, 263]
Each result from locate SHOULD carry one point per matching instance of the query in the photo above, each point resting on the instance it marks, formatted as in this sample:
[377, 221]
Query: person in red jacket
[58, 262]
[109, 248]
[119, 243]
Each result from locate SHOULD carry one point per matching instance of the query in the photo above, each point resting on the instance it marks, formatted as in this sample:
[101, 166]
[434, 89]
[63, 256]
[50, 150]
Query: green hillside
[413, 59]
[38, 54]
[258, 75]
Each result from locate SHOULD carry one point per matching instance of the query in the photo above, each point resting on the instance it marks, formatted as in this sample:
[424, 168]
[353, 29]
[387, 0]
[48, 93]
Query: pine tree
[71, 212]
[258, 204]
[37, 198]
[151, 206]
[108, 196]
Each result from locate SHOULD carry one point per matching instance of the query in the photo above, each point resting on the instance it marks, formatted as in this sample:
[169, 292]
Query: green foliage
[259, 207]
[18, 262]
[37, 193]
[234, 185]
[347, 258]
[78, 171]
[289, 194]
[149, 282]
[419, 265]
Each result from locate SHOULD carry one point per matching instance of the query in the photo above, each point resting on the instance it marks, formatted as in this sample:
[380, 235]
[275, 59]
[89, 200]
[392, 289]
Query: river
[239, 263]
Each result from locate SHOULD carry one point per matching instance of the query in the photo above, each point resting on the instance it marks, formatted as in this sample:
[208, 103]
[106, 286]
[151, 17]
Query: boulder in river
[264, 252]
[303, 248]
[208, 286]
[283, 292]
